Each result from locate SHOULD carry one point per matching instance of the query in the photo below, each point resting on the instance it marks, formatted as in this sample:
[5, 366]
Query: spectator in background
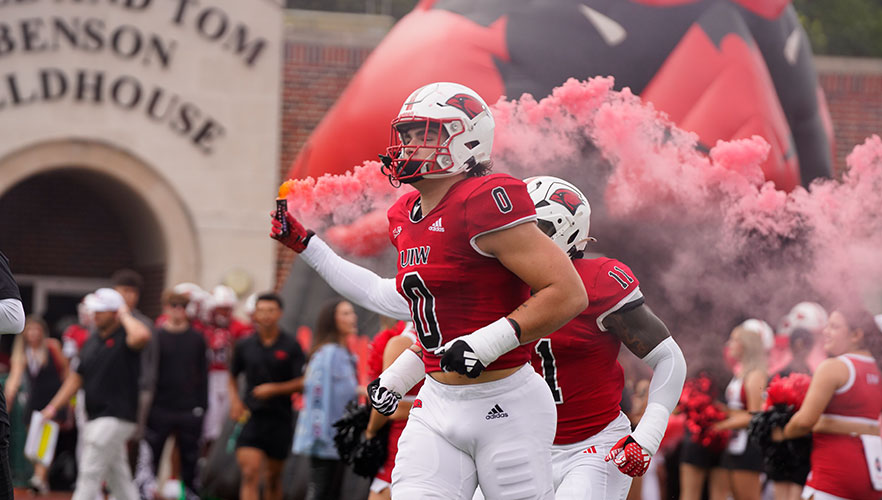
[744, 395]
[38, 360]
[330, 383]
[197, 299]
[802, 343]
[181, 387]
[221, 332]
[12, 320]
[272, 362]
[108, 371]
[74, 336]
[128, 284]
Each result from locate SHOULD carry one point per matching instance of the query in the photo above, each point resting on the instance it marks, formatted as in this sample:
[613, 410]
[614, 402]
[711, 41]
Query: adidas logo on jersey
[436, 226]
[590, 449]
[495, 412]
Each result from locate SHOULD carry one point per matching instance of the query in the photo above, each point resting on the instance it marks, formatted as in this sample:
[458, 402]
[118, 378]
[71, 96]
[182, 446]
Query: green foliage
[394, 8]
[843, 27]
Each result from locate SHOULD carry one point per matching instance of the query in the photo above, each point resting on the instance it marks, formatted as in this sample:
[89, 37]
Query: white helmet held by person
[563, 212]
[464, 117]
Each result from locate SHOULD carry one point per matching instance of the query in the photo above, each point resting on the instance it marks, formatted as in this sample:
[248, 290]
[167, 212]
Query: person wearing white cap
[12, 320]
[108, 372]
[748, 344]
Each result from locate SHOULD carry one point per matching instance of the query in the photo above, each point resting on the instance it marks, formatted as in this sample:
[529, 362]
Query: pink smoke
[710, 240]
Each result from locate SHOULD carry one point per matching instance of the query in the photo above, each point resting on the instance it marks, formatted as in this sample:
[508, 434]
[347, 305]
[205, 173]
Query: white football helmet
[464, 117]
[563, 212]
[223, 296]
[808, 315]
[198, 298]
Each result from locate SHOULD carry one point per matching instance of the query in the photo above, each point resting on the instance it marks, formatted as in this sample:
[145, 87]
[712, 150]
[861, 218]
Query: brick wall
[314, 77]
[853, 87]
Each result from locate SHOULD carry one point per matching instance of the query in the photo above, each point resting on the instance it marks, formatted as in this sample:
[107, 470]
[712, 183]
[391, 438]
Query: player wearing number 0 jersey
[595, 454]
[479, 280]
[437, 248]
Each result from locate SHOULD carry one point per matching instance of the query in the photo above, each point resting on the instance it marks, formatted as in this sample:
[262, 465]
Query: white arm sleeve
[354, 282]
[668, 374]
[12, 316]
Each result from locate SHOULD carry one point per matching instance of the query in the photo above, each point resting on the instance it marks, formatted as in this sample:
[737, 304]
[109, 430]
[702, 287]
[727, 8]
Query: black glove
[460, 358]
[382, 399]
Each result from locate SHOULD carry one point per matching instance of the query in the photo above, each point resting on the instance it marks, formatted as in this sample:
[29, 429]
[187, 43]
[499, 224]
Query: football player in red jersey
[595, 454]
[841, 410]
[470, 254]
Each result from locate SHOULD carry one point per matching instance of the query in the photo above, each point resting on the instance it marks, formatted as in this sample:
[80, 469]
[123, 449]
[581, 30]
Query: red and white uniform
[452, 287]
[839, 465]
[219, 341]
[73, 339]
[579, 363]
[458, 434]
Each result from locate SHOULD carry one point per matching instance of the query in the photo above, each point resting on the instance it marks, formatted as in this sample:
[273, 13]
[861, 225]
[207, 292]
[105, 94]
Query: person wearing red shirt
[841, 410]
[480, 282]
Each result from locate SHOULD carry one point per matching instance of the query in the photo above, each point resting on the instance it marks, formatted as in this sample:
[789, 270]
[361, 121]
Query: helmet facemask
[428, 153]
[457, 134]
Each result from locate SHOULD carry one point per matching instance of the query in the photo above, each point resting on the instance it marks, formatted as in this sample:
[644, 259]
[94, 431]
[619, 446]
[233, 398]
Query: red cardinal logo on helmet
[566, 197]
[467, 104]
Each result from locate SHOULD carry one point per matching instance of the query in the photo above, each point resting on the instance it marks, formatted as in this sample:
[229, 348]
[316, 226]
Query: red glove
[297, 237]
[629, 457]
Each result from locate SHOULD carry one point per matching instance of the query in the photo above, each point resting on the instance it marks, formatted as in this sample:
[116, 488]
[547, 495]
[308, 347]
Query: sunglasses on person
[177, 304]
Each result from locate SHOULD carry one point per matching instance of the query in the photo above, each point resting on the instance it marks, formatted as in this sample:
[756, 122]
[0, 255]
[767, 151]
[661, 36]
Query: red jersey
[220, 340]
[838, 464]
[73, 339]
[453, 288]
[579, 361]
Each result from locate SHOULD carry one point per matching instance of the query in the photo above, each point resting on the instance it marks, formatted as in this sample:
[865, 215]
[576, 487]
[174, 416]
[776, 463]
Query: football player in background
[595, 454]
[469, 256]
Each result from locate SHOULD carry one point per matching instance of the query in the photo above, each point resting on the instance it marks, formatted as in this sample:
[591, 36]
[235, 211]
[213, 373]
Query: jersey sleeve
[615, 289]
[498, 203]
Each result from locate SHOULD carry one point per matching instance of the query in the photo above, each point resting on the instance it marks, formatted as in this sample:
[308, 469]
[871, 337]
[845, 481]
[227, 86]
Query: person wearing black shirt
[108, 371]
[272, 362]
[12, 320]
[181, 394]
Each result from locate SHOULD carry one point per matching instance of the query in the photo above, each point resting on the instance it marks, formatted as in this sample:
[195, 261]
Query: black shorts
[270, 433]
[695, 454]
[751, 459]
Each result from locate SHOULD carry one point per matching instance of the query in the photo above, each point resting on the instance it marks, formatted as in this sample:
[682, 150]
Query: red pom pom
[787, 391]
[701, 414]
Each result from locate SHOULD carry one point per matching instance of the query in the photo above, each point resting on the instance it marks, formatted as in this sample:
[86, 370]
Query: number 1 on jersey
[422, 310]
[549, 368]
